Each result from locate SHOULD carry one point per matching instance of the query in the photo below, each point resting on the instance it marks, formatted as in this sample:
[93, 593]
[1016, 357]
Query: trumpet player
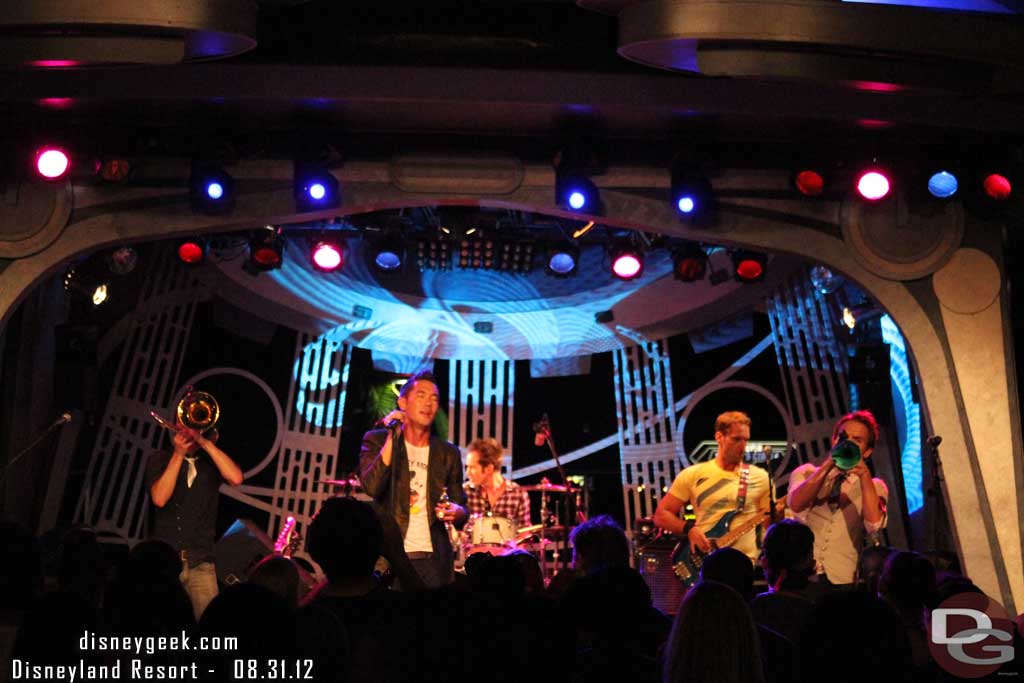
[183, 485]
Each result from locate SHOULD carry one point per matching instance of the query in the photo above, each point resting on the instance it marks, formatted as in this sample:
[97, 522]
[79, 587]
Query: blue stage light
[211, 190]
[315, 188]
[686, 204]
[942, 185]
[214, 190]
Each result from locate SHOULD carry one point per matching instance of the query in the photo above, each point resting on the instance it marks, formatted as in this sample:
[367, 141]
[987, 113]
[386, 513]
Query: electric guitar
[687, 561]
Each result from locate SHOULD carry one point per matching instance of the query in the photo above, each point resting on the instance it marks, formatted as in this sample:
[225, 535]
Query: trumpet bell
[198, 410]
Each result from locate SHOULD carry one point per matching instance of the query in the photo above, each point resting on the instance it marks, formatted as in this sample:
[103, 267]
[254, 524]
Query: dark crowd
[498, 621]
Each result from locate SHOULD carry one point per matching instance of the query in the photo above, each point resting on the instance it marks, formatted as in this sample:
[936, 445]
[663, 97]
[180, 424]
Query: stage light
[122, 260]
[434, 253]
[266, 249]
[942, 184]
[191, 251]
[748, 266]
[211, 190]
[627, 262]
[513, 255]
[563, 259]
[52, 163]
[315, 188]
[873, 185]
[824, 280]
[576, 192]
[809, 182]
[84, 285]
[859, 314]
[114, 169]
[386, 249]
[690, 263]
[997, 187]
[691, 194]
[328, 254]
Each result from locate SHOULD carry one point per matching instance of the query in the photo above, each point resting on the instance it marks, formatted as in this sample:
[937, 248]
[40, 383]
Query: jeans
[200, 583]
[430, 569]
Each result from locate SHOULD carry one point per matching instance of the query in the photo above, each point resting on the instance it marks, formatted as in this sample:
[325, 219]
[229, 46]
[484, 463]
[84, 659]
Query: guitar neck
[735, 533]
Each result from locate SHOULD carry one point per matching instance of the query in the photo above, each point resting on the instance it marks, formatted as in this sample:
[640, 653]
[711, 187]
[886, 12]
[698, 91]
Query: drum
[493, 535]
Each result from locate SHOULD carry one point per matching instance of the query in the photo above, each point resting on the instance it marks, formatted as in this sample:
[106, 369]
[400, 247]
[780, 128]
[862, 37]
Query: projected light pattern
[434, 315]
[910, 457]
[317, 398]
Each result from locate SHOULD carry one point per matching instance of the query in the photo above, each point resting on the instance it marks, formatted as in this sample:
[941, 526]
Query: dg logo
[971, 635]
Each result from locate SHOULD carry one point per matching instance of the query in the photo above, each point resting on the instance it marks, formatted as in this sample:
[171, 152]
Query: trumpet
[196, 410]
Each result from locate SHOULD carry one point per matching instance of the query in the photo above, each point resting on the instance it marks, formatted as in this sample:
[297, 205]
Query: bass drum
[490, 534]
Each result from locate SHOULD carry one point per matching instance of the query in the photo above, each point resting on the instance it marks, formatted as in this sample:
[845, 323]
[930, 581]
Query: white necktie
[191, 477]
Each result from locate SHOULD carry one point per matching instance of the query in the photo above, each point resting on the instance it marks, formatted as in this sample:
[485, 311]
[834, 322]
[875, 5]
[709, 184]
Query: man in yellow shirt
[717, 487]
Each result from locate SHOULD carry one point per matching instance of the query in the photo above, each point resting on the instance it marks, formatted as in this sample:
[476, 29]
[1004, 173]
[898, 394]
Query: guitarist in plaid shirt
[714, 488]
[487, 492]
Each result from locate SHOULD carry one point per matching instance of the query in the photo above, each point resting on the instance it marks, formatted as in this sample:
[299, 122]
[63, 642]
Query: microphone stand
[62, 420]
[543, 430]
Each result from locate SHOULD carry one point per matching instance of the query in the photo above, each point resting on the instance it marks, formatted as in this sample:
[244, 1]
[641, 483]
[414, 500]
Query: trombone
[196, 410]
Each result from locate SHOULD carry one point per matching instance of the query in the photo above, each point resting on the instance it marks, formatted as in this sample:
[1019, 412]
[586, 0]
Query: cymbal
[551, 533]
[348, 483]
[543, 486]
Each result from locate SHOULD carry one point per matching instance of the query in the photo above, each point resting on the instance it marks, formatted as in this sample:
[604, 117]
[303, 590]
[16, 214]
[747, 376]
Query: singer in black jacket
[407, 470]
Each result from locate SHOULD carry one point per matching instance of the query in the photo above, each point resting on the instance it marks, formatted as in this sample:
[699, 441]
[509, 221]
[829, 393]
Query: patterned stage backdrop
[309, 435]
[646, 416]
[812, 364]
[481, 403]
[113, 498]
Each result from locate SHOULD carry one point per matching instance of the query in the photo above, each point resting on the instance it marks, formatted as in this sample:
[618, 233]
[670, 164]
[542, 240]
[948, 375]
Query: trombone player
[184, 486]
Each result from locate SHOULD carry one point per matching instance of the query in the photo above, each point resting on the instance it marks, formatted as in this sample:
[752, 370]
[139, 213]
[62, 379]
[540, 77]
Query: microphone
[541, 429]
[63, 419]
[934, 441]
[391, 424]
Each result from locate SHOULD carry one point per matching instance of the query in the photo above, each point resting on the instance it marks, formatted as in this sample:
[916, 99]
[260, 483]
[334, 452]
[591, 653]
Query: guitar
[687, 561]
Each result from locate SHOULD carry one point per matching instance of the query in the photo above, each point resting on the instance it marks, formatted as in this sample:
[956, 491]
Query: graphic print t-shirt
[417, 536]
[712, 491]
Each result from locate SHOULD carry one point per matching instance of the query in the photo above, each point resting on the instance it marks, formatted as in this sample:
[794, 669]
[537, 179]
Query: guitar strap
[741, 495]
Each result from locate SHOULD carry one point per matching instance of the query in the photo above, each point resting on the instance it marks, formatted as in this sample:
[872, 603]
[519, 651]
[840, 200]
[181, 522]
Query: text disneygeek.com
[123, 665]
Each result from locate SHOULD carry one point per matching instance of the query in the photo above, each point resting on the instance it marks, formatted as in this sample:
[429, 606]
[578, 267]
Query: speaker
[653, 563]
[239, 549]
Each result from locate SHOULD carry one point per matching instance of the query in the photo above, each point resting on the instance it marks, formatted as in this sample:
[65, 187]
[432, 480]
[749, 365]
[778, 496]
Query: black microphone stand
[62, 420]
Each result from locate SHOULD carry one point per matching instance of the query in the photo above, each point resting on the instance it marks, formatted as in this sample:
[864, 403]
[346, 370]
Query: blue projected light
[317, 191]
[215, 190]
[942, 185]
[910, 456]
[577, 200]
[686, 204]
[318, 377]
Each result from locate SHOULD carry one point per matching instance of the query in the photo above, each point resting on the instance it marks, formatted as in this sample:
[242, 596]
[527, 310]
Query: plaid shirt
[514, 503]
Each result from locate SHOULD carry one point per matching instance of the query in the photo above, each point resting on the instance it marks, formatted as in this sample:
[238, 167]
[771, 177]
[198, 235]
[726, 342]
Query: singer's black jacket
[389, 486]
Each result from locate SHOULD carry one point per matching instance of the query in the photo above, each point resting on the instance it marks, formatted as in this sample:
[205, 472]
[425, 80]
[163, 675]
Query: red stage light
[873, 185]
[749, 270]
[809, 183]
[191, 252]
[267, 257]
[52, 163]
[997, 187]
[748, 266]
